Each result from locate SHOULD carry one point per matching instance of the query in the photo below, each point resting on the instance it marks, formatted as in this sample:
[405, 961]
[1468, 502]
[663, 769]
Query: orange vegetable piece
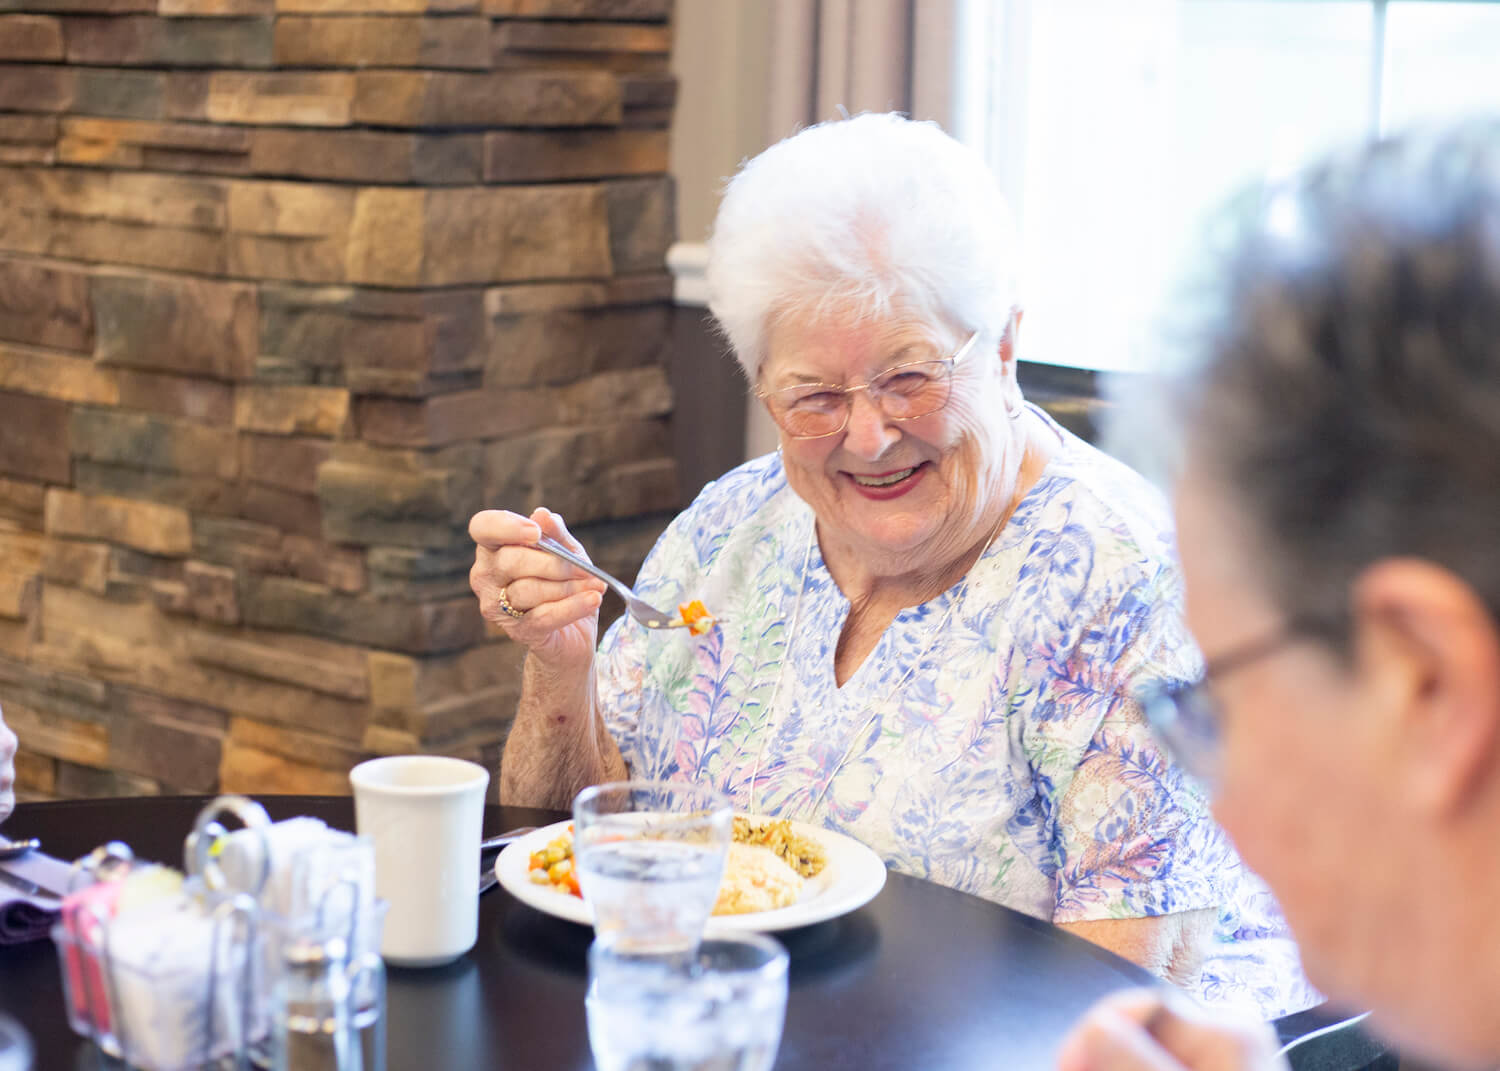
[695, 617]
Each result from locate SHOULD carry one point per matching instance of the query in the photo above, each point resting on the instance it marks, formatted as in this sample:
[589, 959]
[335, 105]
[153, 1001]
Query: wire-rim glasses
[1186, 718]
[904, 392]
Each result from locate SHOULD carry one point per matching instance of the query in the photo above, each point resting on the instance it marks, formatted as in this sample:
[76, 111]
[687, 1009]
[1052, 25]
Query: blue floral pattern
[987, 742]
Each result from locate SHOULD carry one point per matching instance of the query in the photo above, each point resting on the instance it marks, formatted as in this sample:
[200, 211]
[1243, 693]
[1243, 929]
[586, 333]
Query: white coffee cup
[424, 814]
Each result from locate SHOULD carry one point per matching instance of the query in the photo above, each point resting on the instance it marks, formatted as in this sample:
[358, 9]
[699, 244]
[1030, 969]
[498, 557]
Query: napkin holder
[170, 984]
[184, 983]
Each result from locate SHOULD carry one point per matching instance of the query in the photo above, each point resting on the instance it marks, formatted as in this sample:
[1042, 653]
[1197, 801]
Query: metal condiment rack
[237, 1040]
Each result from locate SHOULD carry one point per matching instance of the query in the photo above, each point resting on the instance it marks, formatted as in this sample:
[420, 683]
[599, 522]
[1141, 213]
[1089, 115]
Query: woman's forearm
[558, 744]
[1171, 947]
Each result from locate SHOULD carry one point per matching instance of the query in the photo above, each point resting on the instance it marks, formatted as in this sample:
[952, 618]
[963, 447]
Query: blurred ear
[1430, 652]
[1008, 339]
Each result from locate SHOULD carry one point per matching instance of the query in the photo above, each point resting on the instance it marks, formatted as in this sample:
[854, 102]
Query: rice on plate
[766, 866]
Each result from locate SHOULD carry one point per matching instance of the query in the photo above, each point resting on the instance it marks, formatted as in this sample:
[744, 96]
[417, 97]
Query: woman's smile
[892, 483]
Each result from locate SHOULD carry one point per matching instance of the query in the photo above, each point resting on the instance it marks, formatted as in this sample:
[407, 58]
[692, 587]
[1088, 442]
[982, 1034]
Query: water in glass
[718, 1009]
[651, 895]
[650, 858]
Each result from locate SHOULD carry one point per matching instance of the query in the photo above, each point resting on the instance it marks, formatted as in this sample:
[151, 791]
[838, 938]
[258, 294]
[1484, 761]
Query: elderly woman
[1338, 517]
[933, 602]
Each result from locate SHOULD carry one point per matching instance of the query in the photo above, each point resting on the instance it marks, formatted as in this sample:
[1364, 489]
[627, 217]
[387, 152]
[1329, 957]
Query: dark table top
[921, 977]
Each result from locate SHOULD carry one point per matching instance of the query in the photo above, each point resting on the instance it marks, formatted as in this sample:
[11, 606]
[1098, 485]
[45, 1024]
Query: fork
[11, 849]
[641, 610]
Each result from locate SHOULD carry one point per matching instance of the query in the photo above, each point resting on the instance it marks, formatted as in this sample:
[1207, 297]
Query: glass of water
[720, 1008]
[650, 857]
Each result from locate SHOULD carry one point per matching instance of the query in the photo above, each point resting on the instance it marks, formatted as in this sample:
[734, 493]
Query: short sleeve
[619, 672]
[1133, 835]
[621, 662]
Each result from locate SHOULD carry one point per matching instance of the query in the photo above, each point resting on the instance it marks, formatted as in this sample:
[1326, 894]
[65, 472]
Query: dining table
[921, 977]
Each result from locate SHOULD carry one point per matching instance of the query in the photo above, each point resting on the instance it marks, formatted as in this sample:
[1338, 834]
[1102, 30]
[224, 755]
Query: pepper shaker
[311, 1012]
[367, 1011]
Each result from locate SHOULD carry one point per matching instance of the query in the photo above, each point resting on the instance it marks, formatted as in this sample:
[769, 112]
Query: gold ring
[508, 608]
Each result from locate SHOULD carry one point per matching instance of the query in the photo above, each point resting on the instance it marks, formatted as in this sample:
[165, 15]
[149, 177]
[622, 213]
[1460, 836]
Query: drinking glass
[718, 1009]
[15, 1046]
[650, 857]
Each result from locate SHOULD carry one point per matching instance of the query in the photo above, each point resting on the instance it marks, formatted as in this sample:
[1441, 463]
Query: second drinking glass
[650, 857]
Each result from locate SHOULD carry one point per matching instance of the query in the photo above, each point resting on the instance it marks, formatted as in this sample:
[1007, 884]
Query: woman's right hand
[558, 603]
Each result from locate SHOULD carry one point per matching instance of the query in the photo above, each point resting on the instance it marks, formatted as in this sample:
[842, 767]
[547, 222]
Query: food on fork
[692, 614]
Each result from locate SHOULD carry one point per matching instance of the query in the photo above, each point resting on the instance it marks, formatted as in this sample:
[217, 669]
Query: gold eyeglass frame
[845, 392]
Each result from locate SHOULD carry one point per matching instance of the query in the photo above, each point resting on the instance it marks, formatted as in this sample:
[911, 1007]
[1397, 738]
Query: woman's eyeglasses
[905, 392]
[1186, 718]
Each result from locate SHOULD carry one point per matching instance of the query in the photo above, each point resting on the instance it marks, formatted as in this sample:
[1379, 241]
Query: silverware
[487, 878]
[505, 838]
[25, 885]
[9, 849]
[641, 610]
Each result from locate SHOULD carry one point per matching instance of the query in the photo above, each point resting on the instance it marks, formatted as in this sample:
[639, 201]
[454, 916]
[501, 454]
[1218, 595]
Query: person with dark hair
[1338, 510]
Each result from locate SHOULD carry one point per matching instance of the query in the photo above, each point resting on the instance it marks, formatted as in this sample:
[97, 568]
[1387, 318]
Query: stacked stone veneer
[288, 289]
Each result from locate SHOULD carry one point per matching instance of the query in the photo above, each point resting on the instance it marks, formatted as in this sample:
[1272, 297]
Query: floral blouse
[988, 742]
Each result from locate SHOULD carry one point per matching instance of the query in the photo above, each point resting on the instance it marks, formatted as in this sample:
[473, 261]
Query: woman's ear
[1009, 337]
[1429, 650]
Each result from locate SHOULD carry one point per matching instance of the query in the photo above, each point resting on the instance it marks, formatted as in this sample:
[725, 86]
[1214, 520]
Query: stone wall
[288, 289]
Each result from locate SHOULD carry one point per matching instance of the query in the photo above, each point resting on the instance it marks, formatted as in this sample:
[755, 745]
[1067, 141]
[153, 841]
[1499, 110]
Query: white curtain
[835, 57]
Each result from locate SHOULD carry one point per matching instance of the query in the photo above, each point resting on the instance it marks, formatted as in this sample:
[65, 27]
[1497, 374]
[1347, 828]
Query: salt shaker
[311, 1010]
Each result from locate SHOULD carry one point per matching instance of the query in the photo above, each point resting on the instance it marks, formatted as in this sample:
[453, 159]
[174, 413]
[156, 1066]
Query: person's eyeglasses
[1187, 719]
[905, 392]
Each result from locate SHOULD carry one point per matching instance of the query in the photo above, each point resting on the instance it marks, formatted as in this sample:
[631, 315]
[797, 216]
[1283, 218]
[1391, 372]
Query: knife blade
[27, 886]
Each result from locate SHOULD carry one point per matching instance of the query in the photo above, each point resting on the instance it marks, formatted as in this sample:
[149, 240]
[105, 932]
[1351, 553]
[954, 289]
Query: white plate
[852, 877]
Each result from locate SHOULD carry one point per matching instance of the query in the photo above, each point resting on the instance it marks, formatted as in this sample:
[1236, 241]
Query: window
[1115, 127]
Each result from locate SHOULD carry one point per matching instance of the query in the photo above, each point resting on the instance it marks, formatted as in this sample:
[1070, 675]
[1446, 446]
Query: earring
[1014, 412]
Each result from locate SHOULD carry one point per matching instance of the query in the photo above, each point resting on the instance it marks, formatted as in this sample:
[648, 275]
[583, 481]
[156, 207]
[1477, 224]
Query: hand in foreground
[1154, 1030]
[7, 770]
[558, 604]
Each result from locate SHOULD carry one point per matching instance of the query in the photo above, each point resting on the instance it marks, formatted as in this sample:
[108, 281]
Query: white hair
[867, 217]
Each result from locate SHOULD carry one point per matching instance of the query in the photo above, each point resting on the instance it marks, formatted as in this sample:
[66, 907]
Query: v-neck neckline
[817, 570]
[837, 607]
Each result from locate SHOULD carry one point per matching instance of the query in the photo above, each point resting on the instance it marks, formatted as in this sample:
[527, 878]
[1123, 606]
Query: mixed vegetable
[554, 866]
[802, 854]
